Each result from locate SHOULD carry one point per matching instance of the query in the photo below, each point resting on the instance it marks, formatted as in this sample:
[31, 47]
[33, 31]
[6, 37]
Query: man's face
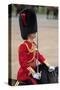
[32, 36]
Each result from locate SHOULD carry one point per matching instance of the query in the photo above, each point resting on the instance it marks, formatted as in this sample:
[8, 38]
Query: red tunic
[27, 59]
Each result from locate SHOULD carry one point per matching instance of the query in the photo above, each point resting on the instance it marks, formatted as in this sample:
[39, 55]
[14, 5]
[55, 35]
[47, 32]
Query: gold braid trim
[32, 58]
[32, 50]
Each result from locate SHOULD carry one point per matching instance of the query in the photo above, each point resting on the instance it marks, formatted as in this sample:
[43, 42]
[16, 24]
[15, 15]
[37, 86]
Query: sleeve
[23, 58]
[40, 57]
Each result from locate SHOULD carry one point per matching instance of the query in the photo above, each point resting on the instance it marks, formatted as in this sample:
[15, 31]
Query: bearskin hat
[27, 22]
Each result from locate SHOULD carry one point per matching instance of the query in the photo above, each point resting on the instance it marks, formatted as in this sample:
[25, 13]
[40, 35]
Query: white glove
[51, 68]
[37, 75]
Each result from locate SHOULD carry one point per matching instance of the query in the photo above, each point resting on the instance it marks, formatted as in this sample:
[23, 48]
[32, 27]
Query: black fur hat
[27, 22]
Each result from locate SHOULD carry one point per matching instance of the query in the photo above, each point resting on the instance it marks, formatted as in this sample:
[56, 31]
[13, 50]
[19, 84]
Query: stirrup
[17, 83]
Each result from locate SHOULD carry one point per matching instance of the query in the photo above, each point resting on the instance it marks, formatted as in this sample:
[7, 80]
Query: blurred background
[47, 20]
